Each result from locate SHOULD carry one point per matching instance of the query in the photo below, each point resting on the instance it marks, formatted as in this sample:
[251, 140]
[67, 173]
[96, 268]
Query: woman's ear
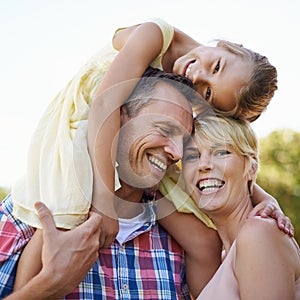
[253, 169]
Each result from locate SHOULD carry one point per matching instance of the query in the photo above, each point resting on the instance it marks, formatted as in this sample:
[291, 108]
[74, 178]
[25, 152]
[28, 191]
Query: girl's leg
[30, 262]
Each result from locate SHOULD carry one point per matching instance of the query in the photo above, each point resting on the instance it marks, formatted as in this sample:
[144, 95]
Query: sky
[44, 43]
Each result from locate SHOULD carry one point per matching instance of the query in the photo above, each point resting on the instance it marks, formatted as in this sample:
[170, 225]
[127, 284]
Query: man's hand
[67, 256]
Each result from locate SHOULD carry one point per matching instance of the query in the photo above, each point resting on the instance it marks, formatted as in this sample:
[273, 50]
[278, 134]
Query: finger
[93, 222]
[108, 242]
[102, 239]
[288, 227]
[45, 217]
[291, 231]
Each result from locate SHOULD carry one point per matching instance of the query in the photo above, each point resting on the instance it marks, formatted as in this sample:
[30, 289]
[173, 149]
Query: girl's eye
[207, 94]
[217, 67]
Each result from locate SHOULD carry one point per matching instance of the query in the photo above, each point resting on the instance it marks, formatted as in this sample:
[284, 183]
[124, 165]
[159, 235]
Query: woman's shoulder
[263, 235]
[258, 228]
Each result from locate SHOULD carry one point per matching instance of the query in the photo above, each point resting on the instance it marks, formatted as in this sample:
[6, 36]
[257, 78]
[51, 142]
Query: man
[144, 262]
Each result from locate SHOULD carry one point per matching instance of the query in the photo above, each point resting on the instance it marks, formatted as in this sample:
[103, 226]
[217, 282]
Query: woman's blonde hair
[237, 133]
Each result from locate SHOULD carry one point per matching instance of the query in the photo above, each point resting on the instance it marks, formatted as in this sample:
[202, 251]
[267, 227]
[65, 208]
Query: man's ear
[124, 115]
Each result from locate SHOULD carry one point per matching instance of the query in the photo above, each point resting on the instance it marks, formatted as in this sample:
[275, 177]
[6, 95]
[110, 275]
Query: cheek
[190, 177]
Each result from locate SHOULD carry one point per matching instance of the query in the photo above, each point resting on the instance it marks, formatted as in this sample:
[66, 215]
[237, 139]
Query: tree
[279, 171]
[3, 193]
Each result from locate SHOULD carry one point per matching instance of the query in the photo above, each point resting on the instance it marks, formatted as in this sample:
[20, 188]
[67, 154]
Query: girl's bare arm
[201, 244]
[141, 48]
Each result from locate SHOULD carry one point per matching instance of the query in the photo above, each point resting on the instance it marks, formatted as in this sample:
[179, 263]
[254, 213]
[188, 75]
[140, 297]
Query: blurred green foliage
[279, 172]
[3, 193]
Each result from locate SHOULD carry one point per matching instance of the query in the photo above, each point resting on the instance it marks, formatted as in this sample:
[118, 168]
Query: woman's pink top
[224, 284]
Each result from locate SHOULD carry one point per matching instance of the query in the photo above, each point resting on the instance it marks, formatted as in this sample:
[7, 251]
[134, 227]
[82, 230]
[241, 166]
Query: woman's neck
[229, 223]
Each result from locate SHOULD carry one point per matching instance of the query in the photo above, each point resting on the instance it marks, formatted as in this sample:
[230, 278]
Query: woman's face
[217, 74]
[214, 174]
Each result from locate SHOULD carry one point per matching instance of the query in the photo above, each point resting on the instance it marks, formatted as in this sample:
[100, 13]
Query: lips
[157, 163]
[187, 68]
[210, 185]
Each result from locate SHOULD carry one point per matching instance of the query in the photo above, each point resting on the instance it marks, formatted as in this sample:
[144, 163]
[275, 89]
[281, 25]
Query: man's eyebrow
[170, 124]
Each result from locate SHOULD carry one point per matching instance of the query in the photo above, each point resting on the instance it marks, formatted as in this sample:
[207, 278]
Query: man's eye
[217, 67]
[166, 132]
[207, 94]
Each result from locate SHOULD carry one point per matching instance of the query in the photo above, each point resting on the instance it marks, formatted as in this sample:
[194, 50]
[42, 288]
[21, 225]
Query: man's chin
[152, 189]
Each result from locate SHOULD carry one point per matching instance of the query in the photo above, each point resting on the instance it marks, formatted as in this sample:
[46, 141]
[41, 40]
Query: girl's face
[217, 74]
[214, 175]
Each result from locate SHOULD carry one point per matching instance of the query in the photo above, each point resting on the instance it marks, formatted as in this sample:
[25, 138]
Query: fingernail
[38, 206]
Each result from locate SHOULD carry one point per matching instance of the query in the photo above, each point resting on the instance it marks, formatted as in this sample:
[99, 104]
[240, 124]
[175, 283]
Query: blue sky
[44, 43]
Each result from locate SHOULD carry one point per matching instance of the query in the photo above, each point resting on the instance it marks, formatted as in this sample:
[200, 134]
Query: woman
[219, 168]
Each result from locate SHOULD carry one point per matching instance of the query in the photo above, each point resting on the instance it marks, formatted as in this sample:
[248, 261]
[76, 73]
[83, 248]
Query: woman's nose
[205, 162]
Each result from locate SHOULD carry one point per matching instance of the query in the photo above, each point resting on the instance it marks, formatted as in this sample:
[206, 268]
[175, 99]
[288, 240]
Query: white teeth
[210, 184]
[157, 163]
[187, 72]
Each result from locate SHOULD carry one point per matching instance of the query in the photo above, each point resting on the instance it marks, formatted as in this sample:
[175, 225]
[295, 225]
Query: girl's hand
[269, 209]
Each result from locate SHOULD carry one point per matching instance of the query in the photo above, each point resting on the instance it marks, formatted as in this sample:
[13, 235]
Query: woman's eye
[222, 152]
[190, 157]
[207, 94]
[217, 67]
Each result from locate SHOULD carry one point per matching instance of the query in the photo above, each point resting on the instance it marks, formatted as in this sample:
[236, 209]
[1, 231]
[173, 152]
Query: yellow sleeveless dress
[59, 171]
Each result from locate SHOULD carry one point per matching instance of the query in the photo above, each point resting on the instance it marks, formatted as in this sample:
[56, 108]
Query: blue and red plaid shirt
[149, 265]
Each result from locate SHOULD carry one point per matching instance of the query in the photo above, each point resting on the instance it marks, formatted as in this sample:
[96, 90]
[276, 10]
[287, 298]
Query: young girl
[65, 170]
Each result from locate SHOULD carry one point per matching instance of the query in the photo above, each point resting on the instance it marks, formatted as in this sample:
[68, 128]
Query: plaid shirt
[149, 265]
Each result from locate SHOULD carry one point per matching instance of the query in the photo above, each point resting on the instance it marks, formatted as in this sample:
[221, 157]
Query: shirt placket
[123, 273]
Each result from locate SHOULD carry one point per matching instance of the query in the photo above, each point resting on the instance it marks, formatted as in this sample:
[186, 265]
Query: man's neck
[127, 203]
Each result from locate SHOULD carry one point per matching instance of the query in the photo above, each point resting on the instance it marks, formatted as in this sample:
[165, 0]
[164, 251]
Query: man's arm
[67, 256]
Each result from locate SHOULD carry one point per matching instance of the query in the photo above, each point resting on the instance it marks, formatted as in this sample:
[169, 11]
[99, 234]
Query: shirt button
[125, 286]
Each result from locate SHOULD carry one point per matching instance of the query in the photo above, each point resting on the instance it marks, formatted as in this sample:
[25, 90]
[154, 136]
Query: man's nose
[174, 149]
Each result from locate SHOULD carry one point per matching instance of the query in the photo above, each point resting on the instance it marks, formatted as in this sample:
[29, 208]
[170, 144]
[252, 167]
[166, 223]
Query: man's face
[153, 140]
